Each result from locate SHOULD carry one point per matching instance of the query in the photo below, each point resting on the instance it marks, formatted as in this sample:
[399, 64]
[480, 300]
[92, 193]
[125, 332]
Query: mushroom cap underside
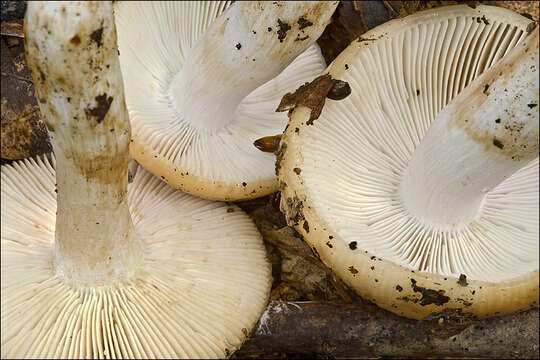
[340, 175]
[216, 164]
[203, 284]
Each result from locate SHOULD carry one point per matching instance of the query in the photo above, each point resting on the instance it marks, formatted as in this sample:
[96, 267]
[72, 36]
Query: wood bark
[361, 330]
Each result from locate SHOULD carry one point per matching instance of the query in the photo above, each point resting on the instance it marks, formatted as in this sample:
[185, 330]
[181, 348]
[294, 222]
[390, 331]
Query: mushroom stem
[72, 53]
[487, 133]
[244, 48]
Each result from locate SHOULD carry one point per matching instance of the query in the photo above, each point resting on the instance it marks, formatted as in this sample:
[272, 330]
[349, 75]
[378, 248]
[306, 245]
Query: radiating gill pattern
[156, 120]
[399, 85]
[203, 285]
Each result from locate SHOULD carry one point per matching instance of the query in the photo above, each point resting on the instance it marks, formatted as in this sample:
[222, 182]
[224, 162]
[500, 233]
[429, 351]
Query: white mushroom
[200, 91]
[416, 220]
[105, 269]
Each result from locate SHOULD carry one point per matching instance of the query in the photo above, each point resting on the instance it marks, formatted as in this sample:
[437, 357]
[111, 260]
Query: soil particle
[306, 226]
[279, 155]
[304, 23]
[399, 288]
[462, 280]
[103, 104]
[430, 296]
[353, 270]
[238, 46]
[297, 171]
[339, 91]
[352, 245]
[498, 143]
[283, 28]
[96, 36]
[293, 210]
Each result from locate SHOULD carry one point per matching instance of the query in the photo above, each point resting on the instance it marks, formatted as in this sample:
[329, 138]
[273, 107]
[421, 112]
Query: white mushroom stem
[244, 48]
[483, 136]
[72, 52]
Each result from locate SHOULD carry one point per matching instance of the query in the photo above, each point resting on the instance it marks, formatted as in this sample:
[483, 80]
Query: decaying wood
[361, 330]
[23, 133]
[12, 28]
[353, 18]
[298, 273]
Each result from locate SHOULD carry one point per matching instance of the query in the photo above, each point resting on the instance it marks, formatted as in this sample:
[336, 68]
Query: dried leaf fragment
[314, 94]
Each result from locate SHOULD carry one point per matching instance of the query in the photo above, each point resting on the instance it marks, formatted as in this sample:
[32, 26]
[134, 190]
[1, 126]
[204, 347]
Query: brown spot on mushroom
[399, 288]
[462, 280]
[297, 171]
[353, 270]
[75, 40]
[464, 302]
[306, 226]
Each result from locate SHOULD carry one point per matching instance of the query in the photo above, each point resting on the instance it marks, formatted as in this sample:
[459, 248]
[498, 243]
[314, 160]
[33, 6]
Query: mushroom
[107, 269]
[423, 221]
[200, 92]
